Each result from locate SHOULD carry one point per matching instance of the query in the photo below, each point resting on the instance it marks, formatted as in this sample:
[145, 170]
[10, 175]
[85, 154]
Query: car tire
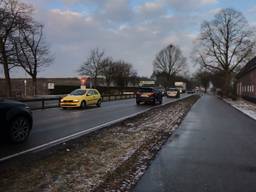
[83, 105]
[64, 108]
[137, 102]
[161, 101]
[99, 103]
[19, 129]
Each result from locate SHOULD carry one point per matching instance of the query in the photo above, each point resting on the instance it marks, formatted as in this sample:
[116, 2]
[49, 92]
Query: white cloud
[185, 5]
[134, 34]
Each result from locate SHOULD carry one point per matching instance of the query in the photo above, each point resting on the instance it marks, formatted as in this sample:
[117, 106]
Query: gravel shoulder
[112, 159]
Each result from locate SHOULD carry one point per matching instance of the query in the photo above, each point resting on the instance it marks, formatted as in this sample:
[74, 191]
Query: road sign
[50, 85]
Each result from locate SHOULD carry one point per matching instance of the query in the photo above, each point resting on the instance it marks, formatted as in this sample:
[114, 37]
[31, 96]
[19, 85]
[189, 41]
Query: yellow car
[81, 98]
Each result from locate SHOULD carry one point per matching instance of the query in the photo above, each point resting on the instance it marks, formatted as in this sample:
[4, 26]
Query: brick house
[246, 80]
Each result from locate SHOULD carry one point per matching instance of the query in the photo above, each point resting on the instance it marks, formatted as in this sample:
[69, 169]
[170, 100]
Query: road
[213, 150]
[53, 124]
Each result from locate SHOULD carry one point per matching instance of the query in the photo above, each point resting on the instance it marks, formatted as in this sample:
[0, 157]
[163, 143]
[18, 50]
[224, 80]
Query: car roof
[87, 89]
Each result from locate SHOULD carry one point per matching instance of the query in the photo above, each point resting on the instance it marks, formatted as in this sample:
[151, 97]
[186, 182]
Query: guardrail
[52, 102]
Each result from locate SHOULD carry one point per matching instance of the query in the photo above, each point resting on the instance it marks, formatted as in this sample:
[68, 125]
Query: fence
[54, 101]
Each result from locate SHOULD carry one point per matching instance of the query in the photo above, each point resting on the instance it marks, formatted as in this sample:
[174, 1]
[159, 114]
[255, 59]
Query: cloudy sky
[131, 30]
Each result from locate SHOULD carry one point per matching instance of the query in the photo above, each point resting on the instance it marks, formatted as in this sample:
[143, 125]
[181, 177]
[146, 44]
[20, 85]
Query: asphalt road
[55, 123]
[213, 150]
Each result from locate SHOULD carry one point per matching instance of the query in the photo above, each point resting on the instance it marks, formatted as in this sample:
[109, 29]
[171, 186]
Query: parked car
[16, 120]
[81, 98]
[173, 92]
[149, 95]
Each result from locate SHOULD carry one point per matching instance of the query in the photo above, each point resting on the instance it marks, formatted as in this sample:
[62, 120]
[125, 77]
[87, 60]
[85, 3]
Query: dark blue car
[16, 120]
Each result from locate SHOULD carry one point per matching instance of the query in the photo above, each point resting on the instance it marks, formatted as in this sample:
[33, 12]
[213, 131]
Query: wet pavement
[213, 150]
[55, 123]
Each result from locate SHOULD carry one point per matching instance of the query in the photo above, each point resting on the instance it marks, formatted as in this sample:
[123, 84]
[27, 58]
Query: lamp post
[25, 87]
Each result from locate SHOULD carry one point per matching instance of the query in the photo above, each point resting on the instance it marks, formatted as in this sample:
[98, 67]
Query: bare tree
[31, 50]
[93, 65]
[134, 79]
[203, 78]
[168, 62]
[121, 73]
[12, 13]
[225, 44]
[107, 68]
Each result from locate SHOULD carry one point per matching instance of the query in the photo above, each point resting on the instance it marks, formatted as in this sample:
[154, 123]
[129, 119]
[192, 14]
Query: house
[246, 80]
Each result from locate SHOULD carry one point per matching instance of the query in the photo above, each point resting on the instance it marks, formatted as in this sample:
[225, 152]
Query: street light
[25, 87]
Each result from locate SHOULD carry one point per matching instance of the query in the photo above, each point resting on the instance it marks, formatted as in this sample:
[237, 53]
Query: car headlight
[27, 107]
[61, 100]
[76, 100]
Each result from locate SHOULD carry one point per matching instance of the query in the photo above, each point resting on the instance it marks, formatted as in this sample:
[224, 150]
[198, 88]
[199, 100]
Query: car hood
[11, 102]
[6, 103]
[72, 97]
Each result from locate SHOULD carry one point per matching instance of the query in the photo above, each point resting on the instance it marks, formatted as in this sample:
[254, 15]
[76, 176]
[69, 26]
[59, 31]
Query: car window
[78, 92]
[95, 92]
[90, 92]
[146, 90]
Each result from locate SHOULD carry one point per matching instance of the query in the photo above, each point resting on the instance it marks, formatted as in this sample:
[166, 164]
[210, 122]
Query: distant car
[173, 92]
[190, 91]
[149, 95]
[163, 92]
[81, 98]
[16, 120]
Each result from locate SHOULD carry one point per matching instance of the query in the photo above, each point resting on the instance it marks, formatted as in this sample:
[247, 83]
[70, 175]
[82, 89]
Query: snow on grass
[244, 106]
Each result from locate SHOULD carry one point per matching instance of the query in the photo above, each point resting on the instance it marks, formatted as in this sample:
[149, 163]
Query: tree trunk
[95, 82]
[6, 69]
[108, 85]
[226, 83]
[34, 84]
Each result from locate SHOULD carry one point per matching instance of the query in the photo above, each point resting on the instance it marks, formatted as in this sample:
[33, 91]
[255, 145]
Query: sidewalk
[244, 106]
[213, 150]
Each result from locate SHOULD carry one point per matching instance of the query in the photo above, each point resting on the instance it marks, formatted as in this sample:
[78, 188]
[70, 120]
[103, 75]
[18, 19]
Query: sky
[130, 30]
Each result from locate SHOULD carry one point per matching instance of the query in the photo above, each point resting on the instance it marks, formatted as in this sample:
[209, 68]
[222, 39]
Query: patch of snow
[245, 107]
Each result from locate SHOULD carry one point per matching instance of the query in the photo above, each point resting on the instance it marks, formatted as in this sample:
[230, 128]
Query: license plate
[144, 95]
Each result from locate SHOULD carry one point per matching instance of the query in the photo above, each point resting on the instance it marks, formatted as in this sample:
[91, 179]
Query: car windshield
[78, 92]
[146, 90]
[172, 89]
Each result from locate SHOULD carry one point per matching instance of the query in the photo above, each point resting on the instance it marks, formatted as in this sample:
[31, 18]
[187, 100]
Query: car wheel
[99, 103]
[19, 129]
[161, 101]
[83, 105]
[64, 108]
[137, 102]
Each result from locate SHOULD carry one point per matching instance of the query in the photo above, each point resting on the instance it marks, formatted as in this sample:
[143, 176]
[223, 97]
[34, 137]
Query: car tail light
[151, 94]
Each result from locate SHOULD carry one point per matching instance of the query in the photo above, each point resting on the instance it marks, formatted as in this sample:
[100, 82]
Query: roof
[251, 65]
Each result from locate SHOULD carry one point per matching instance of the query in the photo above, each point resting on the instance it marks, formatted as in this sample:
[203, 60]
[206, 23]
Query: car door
[90, 97]
[96, 96]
